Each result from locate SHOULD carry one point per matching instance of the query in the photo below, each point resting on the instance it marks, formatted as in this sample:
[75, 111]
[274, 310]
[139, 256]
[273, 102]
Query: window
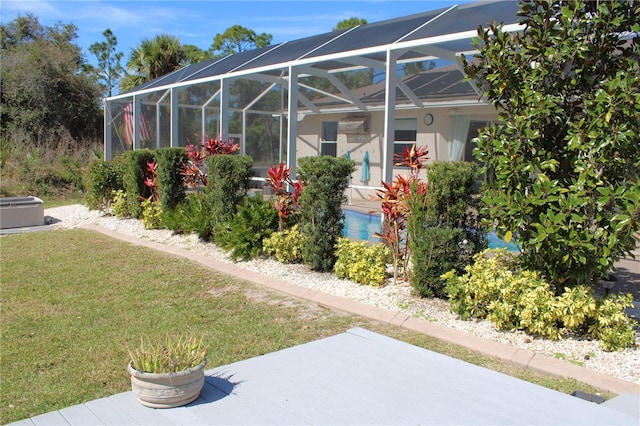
[406, 134]
[329, 138]
[474, 129]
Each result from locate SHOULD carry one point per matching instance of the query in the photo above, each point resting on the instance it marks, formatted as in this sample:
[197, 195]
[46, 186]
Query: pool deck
[357, 377]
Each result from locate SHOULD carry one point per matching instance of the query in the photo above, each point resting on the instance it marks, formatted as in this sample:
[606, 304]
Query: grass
[74, 301]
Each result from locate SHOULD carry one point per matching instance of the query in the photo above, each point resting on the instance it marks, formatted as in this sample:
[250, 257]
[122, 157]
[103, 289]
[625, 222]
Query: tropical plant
[564, 162]
[169, 356]
[194, 169]
[393, 198]
[151, 59]
[285, 202]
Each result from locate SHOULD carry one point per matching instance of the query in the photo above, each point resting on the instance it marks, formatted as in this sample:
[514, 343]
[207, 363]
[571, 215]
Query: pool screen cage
[257, 97]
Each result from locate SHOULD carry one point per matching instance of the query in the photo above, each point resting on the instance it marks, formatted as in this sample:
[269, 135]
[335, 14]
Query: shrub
[285, 246]
[228, 181]
[444, 227]
[362, 263]
[394, 200]
[134, 165]
[151, 214]
[171, 162]
[611, 325]
[103, 178]
[325, 179]
[119, 204]
[192, 215]
[564, 159]
[515, 299]
[254, 221]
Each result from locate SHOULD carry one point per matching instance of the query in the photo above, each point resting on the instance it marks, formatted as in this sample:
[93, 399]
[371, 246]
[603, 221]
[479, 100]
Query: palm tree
[153, 58]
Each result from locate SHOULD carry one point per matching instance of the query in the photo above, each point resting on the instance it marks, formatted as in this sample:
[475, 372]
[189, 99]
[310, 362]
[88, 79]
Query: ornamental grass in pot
[169, 373]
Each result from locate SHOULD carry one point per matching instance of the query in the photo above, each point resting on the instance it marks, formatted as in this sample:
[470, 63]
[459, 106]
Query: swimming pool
[362, 226]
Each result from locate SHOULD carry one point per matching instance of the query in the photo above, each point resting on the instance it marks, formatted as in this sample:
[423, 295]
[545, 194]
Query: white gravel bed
[396, 297]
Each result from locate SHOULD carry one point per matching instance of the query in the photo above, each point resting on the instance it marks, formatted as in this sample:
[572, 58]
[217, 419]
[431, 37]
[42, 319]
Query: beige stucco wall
[435, 137]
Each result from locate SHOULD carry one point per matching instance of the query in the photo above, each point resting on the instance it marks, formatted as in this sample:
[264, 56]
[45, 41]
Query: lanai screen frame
[440, 34]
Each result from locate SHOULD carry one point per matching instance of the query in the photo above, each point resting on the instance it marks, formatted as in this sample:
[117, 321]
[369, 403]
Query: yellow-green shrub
[612, 326]
[515, 299]
[285, 246]
[151, 214]
[119, 206]
[362, 263]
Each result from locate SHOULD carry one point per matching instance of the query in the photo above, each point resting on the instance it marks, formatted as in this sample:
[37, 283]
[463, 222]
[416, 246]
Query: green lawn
[73, 301]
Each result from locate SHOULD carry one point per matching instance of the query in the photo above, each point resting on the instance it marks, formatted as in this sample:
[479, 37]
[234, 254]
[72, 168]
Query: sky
[197, 22]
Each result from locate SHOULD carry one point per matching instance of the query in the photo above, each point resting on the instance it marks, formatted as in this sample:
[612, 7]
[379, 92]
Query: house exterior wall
[434, 136]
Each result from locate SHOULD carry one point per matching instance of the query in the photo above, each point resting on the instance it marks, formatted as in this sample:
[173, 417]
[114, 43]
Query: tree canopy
[109, 69]
[153, 58]
[236, 39]
[564, 163]
[345, 24]
[44, 89]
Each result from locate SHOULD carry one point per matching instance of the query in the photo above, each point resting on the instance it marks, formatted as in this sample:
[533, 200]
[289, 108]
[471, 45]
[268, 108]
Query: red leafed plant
[151, 180]
[193, 171]
[219, 145]
[285, 202]
[394, 198]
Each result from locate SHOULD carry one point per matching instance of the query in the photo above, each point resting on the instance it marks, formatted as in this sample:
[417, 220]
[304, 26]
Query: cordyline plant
[395, 208]
[285, 202]
[193, 173]
[151, 180]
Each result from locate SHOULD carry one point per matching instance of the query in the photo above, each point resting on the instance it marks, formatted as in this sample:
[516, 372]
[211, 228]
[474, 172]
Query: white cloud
[38, 8]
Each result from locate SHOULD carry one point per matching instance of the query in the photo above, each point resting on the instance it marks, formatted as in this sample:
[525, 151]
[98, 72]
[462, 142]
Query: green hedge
[135, 172]
[103, 178]
[444, 227]
[325, 179]
[170, 182]
[228, 182]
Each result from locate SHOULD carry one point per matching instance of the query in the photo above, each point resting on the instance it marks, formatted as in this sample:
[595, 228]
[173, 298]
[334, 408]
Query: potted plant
[169, 373]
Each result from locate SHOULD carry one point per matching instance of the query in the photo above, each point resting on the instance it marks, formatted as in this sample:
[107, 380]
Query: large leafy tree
[153, 58]
[44, 90]
[565, 160]
[109, 69]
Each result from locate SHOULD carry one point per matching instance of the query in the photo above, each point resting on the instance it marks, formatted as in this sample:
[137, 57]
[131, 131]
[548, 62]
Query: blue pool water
[362, 226]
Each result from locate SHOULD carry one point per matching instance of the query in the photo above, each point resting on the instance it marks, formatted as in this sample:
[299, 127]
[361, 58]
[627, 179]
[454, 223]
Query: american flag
[128, 126]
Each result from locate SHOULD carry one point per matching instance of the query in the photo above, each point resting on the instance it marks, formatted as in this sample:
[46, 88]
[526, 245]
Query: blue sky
[197, 22]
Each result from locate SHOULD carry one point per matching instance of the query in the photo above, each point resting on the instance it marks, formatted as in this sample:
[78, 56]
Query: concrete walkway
[520, 357]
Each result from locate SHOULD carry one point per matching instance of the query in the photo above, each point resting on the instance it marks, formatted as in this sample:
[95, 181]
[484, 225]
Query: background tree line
[51, 118]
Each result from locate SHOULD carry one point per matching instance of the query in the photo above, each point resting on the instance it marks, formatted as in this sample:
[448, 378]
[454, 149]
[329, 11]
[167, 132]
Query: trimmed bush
[444, 227]
[134, 165]
[228, 183]
[324, 179]
[170, 183]
[362, 263]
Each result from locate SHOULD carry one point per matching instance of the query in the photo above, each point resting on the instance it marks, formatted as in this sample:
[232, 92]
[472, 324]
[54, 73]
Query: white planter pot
[167, 390]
